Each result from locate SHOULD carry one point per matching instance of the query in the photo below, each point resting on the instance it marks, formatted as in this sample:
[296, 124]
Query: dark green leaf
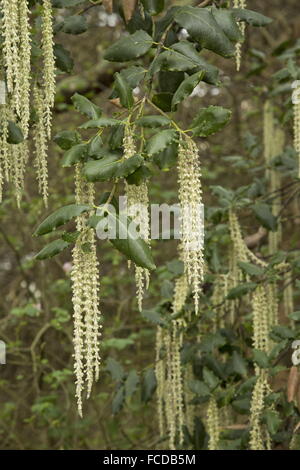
[115, 369]
[264, 215]
[52, 249]
[139, 176]
[241, 290]
[163, 101]
[15, 134]
[261, 358]
[153, 121]
[227, 23]
[250, 268]
[199, 388]
[74, 155]
[118, 400]
[202, 26]
[101, 122]
[154, 317]
[167, 158]
[66, 139]
[60, 217]
[124, 91]
[85, 106]
[63, 59]
[148, 385]
[186, 88]
[210, 120]
[251, 17]
[131, 383]
[129, 47]
[75, 24]
[111, 166]
[188, 49]
[158, 142]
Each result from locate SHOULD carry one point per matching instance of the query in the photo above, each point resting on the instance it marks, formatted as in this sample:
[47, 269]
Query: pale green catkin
[85, 288]
[24, 65]
[49, 63]
[190, 199]
[10, 29]
[213, 424]
[296, 107]
[238, 46]
[40, 140]
[138, 210]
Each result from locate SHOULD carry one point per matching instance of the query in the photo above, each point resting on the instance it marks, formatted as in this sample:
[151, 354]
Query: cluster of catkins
[20, 83]
[238, 46]
[297, 123]
[85, 288]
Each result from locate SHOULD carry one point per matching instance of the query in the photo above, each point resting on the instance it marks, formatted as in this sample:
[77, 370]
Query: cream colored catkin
[213, 424]
[24, 65]
[296, 108]
[40, 138]
[238, 46]
[138, 210]
[192, 229]
[85, 288]
[49, 63]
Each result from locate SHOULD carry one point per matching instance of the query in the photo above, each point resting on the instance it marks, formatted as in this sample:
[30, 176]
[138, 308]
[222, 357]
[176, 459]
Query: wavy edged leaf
[186, 87]
[85, 106]
[52, 249]
[264, 214]
[66, 139]
[111, 166]
[75, 24]
[74, 155]
[227, 22]
[202, 26]
[61, 217]
[188, 49]
[153, 121]
[158, 142]
[129, 47]
[210, 120]
[250, 17]
[101, 122]
[15, 134]
[124, 91]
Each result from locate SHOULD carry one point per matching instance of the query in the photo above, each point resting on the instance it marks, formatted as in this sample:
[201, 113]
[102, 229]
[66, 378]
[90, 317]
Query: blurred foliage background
[38, 410]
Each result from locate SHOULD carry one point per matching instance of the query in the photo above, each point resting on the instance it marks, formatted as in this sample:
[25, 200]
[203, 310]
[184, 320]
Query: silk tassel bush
[238, 46]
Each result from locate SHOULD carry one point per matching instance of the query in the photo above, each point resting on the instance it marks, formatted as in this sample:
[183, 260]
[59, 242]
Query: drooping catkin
[24, 66]
[40, 140]
[288, 293]
[213, 424]
[49, 63]
[238, 46]
[190, 199]
[296, 106]
[85, 288]
[138, 210]
[10, 30]
[169, 372]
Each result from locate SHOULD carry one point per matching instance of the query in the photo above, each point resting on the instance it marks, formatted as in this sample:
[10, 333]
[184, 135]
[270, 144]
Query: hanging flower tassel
[190, 198]
[40, 140]
[238, 46]
[85, 287]
[213, 424]
[49, 63]
[24, 66]
[296, 106]
[138, 210]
